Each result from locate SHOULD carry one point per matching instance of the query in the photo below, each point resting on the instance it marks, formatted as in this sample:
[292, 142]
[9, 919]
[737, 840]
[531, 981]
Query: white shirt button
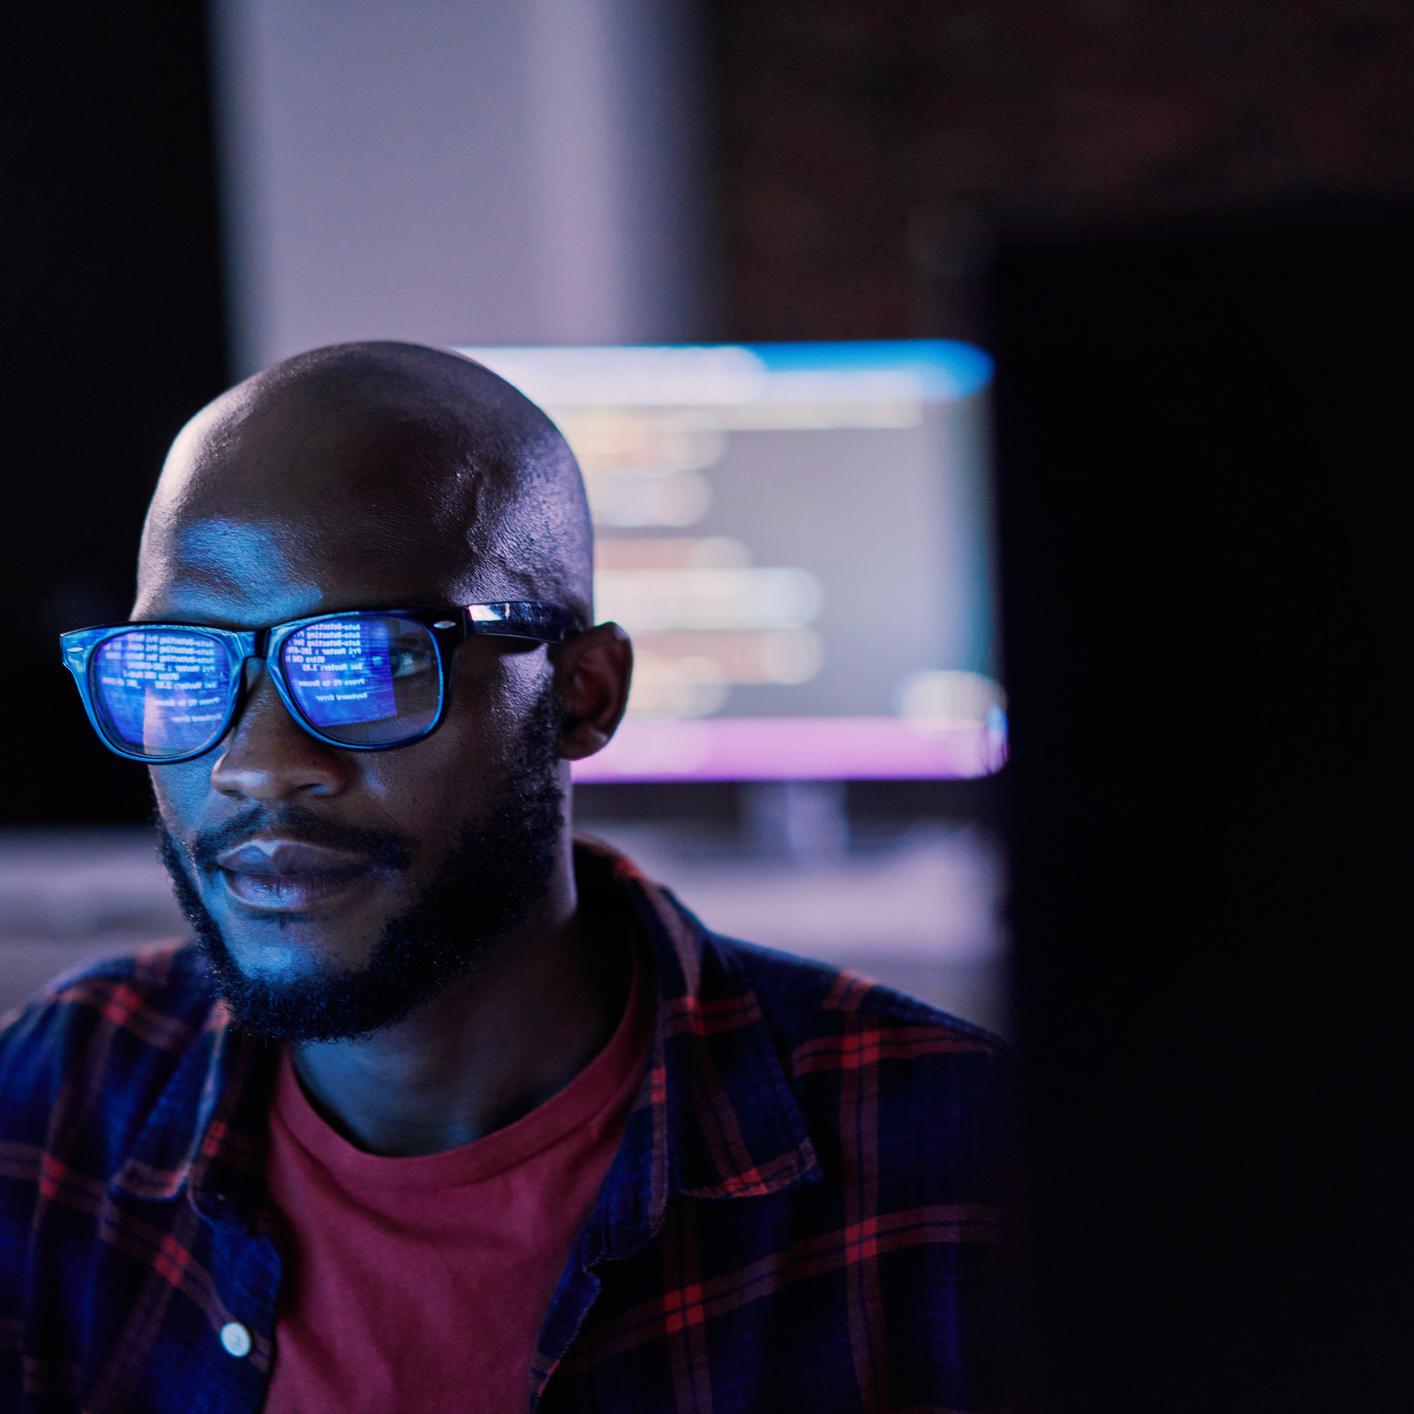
[235, 1338]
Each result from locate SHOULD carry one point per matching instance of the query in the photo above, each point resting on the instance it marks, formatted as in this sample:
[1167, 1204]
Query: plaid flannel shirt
[805, 1211]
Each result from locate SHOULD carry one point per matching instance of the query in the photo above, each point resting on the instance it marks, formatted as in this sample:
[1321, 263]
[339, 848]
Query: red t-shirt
[421, 1283]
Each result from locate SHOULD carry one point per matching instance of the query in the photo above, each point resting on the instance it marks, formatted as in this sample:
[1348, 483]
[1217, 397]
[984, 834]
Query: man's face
[393, 871]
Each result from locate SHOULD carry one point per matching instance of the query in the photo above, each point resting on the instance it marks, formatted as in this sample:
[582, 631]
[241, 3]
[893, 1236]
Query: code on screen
[163, 690]
[341, 671]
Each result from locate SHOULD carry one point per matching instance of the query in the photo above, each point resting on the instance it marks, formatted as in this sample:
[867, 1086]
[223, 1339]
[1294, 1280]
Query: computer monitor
[799, 539]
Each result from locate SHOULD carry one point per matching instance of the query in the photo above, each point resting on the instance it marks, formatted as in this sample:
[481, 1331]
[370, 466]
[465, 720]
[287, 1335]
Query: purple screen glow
[798, 539]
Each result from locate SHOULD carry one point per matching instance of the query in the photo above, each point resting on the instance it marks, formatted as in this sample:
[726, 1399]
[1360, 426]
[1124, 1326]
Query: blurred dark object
[111, 304]
[1201, 428]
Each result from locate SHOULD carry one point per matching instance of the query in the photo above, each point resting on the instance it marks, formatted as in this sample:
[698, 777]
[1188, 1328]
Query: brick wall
[864, 141]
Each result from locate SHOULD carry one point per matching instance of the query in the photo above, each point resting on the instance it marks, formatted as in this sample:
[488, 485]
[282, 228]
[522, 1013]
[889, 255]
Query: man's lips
[285, 876]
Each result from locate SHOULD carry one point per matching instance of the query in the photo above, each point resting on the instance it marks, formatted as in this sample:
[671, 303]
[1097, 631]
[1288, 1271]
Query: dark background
[1182, 230]
[111, 302]
[867, 156]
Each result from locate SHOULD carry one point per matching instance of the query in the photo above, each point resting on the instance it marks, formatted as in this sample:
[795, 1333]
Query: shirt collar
[714, 1118]
[205, 1134]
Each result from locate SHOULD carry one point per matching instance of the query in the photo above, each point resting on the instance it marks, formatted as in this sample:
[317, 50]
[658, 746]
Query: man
[444, 1109]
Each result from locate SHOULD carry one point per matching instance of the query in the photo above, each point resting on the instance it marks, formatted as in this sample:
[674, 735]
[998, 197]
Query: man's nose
[268, 756]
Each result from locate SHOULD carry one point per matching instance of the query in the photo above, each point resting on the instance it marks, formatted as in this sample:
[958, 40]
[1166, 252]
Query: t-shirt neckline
[595, 1094]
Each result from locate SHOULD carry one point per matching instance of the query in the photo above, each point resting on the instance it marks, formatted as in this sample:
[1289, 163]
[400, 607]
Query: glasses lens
[371, 680]
[161, 692]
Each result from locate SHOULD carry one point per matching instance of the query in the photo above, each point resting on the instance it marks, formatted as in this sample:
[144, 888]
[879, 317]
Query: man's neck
[489, 1049]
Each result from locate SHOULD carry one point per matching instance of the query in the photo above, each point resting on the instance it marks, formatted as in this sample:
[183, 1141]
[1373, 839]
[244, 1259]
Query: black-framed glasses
[365, 680]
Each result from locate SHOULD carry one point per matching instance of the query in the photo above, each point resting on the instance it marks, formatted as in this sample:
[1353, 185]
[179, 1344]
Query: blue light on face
[341, 671]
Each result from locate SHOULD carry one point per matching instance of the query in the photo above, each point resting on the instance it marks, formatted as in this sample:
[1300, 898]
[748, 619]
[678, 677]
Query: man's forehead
[363, 475]
[253, 569]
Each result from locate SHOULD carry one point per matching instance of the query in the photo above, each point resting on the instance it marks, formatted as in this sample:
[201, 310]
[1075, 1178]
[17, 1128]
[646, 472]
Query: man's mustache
[384, 849]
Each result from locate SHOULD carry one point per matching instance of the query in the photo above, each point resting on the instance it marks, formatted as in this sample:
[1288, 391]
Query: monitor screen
[798, 538]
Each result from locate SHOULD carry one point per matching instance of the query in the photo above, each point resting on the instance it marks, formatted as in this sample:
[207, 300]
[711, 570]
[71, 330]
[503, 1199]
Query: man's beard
[496, 873]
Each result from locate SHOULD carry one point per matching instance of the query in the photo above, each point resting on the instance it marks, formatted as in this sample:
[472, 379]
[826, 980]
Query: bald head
[413, 462]
[382, 478]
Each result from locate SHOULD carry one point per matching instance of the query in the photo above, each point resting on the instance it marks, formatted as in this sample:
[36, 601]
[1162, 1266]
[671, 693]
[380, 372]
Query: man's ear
[593, 669]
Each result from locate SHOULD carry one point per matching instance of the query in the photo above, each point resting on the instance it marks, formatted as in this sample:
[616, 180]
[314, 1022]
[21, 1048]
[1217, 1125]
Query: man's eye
[408, 663]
